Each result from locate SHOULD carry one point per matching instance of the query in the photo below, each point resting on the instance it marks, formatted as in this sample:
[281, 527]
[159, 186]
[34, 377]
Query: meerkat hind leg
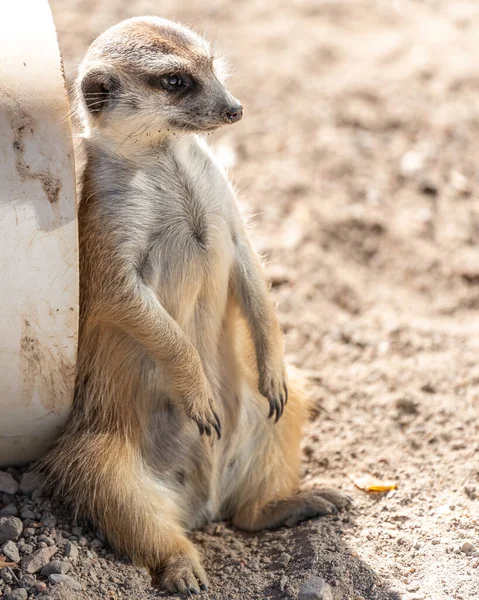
[292, 510]
[267, 493]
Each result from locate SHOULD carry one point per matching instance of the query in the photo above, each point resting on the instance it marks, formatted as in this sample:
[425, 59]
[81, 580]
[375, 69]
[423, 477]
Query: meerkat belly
[189, 269]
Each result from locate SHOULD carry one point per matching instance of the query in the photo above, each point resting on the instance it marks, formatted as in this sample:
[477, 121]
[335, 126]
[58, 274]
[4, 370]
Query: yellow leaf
[368, 483]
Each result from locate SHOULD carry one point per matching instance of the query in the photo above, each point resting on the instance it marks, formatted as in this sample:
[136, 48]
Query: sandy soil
[358, 158]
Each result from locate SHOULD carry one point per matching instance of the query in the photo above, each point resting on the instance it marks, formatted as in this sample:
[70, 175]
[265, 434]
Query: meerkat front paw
[272, 385]
[205, 416]
[185, 575]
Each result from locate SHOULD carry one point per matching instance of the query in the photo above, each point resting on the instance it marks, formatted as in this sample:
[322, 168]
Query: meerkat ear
[99, 89]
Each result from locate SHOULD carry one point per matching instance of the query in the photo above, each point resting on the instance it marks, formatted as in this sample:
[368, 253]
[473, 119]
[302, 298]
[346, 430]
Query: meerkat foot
[291, 511]
[184, 574]
[338, 499]
[317, 503]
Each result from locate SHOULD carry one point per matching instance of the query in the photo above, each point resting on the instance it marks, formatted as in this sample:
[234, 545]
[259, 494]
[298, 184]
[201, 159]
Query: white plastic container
[38, 235]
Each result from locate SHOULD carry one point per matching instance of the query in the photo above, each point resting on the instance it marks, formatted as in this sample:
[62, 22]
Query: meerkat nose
[234, 113]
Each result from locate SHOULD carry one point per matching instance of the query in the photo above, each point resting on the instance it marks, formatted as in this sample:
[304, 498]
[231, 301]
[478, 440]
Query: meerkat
[180, 359]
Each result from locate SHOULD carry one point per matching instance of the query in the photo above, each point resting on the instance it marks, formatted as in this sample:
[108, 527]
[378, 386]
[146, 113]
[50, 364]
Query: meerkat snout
[149, 77]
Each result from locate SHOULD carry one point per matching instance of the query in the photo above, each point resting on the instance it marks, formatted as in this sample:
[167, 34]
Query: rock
[10, 529]
[6, 575]
[66, 580]
[407, 406]
[9, 511]
[95, 544]
[315, 589]
[460, 182]
[49, 521]
[27, 514]
[27, 581]
[11, 551]
[26, 548]
[56, 567]
[29, 532]
[282, 582]
[29, 483]
[7, 483]
[428, 186]
[471, 491]
[71, 551]
[411, 163]
[36, 561]
[18, 594]
[467, 548]
[278, 275]
[41, 586]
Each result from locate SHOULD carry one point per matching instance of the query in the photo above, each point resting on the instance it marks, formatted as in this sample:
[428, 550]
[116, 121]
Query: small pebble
[412, 163]
[428, 186]
[27, 514]
[29, 532]
[71, 551]
[66, 580]
[11, 551]
[36, 561]
[7, 483]
[10, 529]
[95, 544]
[9, 511]
[18, 594]
[315, 589]
[25, 548]
[49, 522]
[6, 575]
[407, 406]
[471, 491]
[29, 483]
[56, 567]
[27, 581]
[467, 548]
[459, 182]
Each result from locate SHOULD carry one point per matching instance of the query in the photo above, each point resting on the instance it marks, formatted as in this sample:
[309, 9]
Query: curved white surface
[38, 235]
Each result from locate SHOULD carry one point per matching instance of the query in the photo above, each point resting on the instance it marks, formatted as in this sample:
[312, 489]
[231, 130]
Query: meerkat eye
[174, 81]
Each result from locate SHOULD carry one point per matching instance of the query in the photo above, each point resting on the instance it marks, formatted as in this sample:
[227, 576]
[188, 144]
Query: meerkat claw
[272, 407]
[206, 428]
[217, 426]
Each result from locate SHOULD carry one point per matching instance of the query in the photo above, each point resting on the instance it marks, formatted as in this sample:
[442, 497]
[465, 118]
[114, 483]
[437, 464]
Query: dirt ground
[358, 159]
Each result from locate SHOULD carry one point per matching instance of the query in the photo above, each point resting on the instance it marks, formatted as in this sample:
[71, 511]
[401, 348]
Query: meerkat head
[148, 77]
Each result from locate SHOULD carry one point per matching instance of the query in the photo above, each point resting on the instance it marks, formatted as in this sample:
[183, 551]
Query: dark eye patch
[177, 82]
